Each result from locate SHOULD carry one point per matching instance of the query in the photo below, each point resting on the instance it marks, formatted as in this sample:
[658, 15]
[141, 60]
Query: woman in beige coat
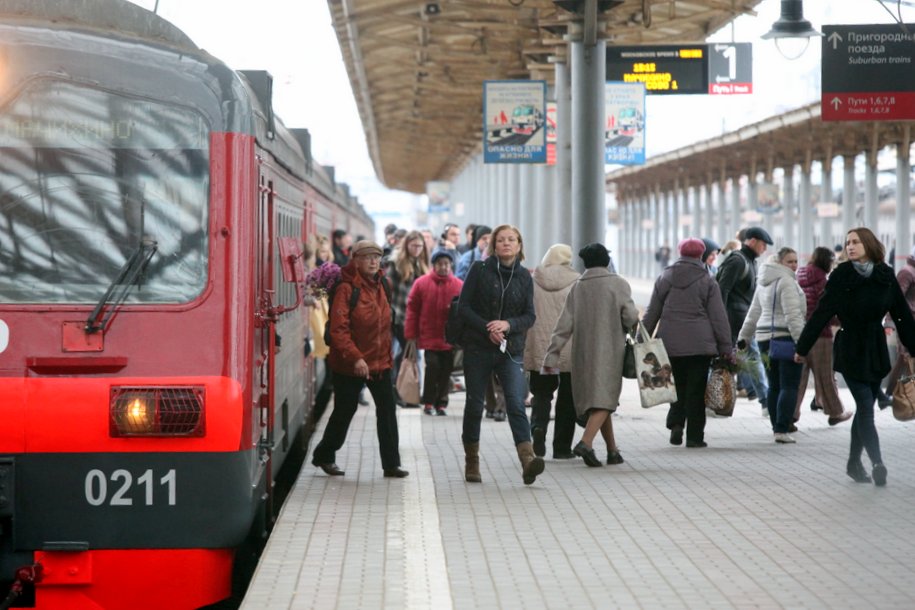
[597, 313]
[553, 279]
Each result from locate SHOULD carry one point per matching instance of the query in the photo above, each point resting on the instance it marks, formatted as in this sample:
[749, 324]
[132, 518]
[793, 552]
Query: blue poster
[624, 133]
[514, 125]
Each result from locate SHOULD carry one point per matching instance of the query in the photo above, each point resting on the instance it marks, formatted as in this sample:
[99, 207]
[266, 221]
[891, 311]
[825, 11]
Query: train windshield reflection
[86, 175]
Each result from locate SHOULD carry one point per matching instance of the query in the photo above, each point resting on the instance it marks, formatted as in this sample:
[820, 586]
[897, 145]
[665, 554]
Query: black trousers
[690, 377]
[543, 387]
[437, 379]
[346, 401]
[322, 398]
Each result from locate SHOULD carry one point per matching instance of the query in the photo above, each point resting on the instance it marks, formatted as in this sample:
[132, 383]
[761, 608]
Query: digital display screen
[669, 69]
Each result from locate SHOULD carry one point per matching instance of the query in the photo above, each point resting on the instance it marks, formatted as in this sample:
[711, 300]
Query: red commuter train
[145, 406]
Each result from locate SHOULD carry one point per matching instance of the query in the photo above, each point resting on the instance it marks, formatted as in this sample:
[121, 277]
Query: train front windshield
[87, 176]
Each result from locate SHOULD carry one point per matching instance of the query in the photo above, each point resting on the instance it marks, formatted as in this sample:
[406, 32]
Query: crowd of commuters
[728, 302]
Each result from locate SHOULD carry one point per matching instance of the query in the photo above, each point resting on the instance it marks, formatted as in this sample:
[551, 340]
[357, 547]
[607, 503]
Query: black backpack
[454, 326]
[353, 301]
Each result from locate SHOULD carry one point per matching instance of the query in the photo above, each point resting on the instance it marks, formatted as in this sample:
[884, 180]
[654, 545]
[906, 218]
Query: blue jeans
[479, 365]
[784, 379]
[863, 431]
[755, 380]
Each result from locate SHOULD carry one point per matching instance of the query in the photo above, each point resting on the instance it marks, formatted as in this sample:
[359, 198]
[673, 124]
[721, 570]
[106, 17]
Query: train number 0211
[122, 484]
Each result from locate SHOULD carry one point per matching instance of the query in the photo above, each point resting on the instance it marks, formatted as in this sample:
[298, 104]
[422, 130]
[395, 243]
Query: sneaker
[428, 410]
[784, 438]
[440, 411]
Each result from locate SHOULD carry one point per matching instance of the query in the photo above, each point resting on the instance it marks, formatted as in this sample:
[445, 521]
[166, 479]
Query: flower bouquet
[321, 280]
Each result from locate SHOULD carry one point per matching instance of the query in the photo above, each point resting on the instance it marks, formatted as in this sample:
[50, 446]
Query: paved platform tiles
[744, 523]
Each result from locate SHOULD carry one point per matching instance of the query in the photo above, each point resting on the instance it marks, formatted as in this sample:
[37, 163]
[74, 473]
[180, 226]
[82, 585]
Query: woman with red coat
[812, 280]
[427, 312]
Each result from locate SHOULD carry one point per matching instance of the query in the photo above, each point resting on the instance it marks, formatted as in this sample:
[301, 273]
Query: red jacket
[812, 281]
[364, 332]
[427, 310]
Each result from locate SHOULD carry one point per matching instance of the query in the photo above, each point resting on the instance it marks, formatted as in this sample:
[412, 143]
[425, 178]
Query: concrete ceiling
[417, 66]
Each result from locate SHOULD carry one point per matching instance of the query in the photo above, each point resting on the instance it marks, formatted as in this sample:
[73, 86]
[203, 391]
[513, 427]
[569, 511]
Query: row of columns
[657, 216]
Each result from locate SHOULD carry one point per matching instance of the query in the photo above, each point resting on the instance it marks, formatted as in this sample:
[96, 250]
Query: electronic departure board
[717, 68]
[669, 69]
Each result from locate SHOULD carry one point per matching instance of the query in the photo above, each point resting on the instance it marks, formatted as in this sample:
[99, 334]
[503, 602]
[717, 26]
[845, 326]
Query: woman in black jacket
[497, 306]
[860, 292]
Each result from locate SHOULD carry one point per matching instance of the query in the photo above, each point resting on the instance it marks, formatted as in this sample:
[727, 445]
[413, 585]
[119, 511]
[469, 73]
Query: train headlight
[157, 411]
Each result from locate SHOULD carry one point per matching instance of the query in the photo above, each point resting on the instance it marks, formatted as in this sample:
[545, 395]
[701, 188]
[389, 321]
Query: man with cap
[360, 355]
[481, 235]
[737, 281]
[427, 311]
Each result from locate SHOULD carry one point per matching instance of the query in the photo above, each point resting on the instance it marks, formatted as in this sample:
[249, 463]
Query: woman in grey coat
[686, 307]
[596, 316]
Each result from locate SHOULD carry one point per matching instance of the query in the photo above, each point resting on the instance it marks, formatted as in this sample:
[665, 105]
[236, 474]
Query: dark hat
[691, 247]
[479, 232]
[595, 255]
[757, 233]
[710, 246]
[366, 247]
[440, 252]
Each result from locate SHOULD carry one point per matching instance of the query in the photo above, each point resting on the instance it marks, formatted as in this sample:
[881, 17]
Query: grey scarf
[865, 269]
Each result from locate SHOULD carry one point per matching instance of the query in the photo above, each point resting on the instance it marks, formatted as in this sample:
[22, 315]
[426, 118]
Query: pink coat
[427, 310]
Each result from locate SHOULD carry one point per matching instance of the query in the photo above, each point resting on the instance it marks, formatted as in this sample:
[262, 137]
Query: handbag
[629, 370]
[408, 376]
[781, 348]
[653, 371]
[904, 396]
[720, 396]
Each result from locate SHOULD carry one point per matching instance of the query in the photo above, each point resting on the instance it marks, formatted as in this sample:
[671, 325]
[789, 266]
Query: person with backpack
[481, 236]
[427, 311]
[737, 281]
[497, 307]
[360, 355]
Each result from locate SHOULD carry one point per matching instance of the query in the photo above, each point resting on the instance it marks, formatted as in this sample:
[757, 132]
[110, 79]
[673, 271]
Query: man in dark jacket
[737, 281]
[360, 355]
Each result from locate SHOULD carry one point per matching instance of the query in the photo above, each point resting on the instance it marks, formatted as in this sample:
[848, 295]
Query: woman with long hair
[408, 262]
[860, 292]
[497, 307]
[777, 311]
[812, 280]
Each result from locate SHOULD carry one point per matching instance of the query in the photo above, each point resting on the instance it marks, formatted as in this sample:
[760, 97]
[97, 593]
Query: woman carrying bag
[861, 291]
[777, 314]
[686, 307]
[597, 313]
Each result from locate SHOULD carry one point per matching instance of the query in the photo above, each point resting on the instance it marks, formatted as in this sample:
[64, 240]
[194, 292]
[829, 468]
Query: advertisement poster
[514, 121]
[624, 133]
[551, 133]
[439, 194]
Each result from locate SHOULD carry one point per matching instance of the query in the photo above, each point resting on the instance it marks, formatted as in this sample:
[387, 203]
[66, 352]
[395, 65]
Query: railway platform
[743, 523]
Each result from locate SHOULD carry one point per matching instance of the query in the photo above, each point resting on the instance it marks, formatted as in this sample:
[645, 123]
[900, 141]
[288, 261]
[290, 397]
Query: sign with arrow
[867, 72]
[730, 68]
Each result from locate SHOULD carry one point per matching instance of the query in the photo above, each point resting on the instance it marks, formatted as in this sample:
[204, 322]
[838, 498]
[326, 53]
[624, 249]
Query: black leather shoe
[676, 435]
[395, 473]
[696, 444]
[331, 469]
[879, 474]
[539, 437]
[587, 454]
[856, 471]
[814, 406]
[500, 416]
[614, 458]
[563, 455]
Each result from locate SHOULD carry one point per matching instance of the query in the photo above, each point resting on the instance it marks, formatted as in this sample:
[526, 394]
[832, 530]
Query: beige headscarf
[558, 254]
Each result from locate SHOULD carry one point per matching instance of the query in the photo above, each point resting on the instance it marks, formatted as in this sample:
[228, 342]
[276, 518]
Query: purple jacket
[686, 307]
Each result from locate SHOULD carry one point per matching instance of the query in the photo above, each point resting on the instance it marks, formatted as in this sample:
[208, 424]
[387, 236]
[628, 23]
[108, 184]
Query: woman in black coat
[497, 307]
[860, 292]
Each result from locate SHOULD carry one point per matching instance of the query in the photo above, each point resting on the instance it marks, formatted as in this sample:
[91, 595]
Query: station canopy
[417, 66]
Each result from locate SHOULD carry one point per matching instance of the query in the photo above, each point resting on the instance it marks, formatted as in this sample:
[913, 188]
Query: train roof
[114, 17]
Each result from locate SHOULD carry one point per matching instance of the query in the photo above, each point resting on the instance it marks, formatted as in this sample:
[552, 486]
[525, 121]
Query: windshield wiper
[120, 286]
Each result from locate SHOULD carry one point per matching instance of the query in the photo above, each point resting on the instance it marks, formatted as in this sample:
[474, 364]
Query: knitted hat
[691, 247]
[558, 254]
[440, 252]
[479, 232]
[710, 247]
[594, 255]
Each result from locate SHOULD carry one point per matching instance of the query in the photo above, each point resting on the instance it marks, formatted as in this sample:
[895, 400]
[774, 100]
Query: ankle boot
[531, 465]
[472, 463]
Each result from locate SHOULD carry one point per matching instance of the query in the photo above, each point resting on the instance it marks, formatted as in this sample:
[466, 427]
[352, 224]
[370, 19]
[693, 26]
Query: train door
[264, 339]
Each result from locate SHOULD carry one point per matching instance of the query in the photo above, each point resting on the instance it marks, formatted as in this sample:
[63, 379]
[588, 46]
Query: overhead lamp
[433, 8]
[792, 33]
